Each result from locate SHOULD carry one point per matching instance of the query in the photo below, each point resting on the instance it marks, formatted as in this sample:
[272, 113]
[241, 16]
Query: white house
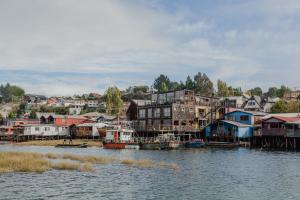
[45, 130]
[119, 134]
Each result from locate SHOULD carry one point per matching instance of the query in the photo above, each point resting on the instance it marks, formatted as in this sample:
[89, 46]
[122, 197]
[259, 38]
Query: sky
[63, 47]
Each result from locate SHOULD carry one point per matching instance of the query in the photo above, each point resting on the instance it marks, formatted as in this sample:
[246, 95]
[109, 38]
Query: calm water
[208, 174]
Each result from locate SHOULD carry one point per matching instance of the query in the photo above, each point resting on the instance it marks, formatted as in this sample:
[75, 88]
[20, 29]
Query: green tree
[163, 87]
[32, 114]
[279, 107]
[273, 92]
[282, 90]
[203, 84]
[189, 83]
[223, 90]
[12, 115]
[162, 82]
[114, 102]
[256, 91]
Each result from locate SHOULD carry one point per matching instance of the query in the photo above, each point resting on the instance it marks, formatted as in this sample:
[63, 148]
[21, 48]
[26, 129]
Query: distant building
[281, 126]
[291, 95]
[170, 111]
[34, 99]
[237, 125]
[92, 103]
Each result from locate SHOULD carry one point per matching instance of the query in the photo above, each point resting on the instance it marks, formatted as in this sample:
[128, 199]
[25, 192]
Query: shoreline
[90, 143]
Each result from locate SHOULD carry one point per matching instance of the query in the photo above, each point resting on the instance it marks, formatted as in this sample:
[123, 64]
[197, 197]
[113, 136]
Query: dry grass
[66, 166]
[90, 143]
[173, 166]
[128, 162]
[23, 162]
[89, 159]
[146, 163]
[87, 168]
[35, 162]
[52, 156]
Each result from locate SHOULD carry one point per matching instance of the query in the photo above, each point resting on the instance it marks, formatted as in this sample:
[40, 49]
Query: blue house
[237, 125]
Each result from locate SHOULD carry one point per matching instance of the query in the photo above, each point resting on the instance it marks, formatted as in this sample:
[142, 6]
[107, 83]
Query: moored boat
[223, 144]
[120, 138]
[194, 144]
[84, 145]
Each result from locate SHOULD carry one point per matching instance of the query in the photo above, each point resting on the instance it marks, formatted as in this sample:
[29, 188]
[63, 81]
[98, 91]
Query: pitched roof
[249, 112]
[235, 123]
[285, 119]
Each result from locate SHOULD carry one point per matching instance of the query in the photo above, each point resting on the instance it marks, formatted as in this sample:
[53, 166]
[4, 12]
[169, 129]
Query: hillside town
[256, 120]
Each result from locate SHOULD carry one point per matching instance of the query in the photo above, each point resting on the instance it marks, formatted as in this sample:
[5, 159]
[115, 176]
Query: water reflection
[203, 174]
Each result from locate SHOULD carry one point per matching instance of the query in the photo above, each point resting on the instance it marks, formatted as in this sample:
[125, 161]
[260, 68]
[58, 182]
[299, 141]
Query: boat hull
[71, 146]
[194, 145]
[121, 146]
[223, 144]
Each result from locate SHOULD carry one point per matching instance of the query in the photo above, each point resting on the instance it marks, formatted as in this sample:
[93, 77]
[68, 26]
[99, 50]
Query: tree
[223, 90]
[282, 90]
[189, 83]
[273, 92]
[257, 91]
[279, 107]
[10, 93]
[293, 107]
[163, 87]
[203, 84]
[162, 83]
[12, 115]
[32, 114]
[114, 102]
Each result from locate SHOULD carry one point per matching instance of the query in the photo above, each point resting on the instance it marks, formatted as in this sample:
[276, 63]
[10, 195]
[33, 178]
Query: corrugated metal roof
[235, 123]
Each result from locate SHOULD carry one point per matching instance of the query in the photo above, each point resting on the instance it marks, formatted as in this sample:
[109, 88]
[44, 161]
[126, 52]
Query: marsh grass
[90, 143]
[127, 161]
[146, 163]
[66, 166]
[89, 159]
[23, 162]
[35, 162]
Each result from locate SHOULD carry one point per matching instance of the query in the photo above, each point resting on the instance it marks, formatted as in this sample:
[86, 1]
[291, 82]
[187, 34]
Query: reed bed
[146, 163]
[23, 162]
[89, 159]
[36, 162]
[90, 143]
[66, 166]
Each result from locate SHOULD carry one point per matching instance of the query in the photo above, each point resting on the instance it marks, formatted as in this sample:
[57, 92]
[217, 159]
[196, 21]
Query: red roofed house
[279, 125]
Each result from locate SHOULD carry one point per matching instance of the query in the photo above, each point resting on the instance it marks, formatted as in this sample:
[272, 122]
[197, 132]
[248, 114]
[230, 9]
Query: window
[37, 129]
[167, 112]
[149, 112]
[167, 122]
[275, 125]
[183, 123]
[157, 112]
[244, 117]
[176, 122]
[142, 113]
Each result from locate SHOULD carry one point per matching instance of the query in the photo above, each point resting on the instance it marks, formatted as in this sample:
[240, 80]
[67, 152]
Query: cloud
[72, 46]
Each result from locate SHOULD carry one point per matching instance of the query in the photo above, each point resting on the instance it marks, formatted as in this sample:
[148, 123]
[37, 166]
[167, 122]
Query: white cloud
[241, 42]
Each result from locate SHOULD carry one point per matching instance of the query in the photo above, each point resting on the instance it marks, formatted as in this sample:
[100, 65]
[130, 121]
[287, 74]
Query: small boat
[153, 145]
[120, 138]
[194, 144]
[223, 144]
[84, 145]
